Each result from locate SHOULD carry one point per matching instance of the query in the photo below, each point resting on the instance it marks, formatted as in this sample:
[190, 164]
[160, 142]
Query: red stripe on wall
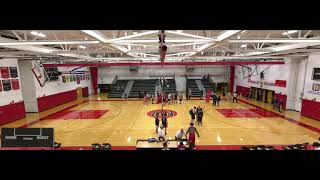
[12, 112]
[165, 63]
[232, 70]
[94, 79]
[85, 92]
[311, 109]
[47, 102]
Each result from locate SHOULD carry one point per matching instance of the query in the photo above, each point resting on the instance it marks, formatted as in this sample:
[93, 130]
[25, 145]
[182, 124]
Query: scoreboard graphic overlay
[27, 137]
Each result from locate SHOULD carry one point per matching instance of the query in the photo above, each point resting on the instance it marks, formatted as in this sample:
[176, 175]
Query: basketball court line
[240, 100]
[312, 128]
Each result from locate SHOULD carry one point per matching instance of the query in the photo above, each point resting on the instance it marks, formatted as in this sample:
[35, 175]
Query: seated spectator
[180, 134]
[165, 146]
[316, 146]
[181, 146]
[161, 133]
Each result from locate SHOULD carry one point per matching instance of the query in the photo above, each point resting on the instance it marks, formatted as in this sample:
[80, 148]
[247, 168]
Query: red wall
[232, 70]
[85, 92]
[310, 109]
[94, 79]
[51, 101]
[12, 112]
[283, 98]
[242, 90]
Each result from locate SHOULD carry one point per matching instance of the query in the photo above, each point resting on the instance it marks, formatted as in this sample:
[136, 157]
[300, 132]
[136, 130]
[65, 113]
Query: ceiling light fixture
[82, 47]
[290, 32]
[35, 33]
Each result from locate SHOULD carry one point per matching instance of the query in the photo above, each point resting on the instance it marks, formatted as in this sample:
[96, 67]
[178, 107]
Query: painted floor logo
[170, 113]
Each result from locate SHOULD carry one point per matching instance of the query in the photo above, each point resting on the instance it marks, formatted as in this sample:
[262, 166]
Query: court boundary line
[309, 127]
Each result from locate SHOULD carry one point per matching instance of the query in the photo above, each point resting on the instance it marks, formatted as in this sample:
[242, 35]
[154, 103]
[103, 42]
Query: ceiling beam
[188, 35]
[300, 40]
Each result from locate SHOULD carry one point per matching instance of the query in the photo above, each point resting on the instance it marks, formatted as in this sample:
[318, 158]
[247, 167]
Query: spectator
[199, 116]
[201, 94]
[165, 121]
[157, 121]
[179, 135]
[235, 97]
[161, 133]
[181, 146]
[275, 103]
[165, 146]
[316, 146]
[180, 97]
[152, 98]
[192, 113]
[192, 131]
[218, 100]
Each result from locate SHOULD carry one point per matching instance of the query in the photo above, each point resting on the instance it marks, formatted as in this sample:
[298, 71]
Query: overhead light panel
[290, 32]
[243, 45]
[96, 35]
[135, 32]
[82, 47]
[179, 31]
[226, 34]
[18, 43]
[35, 33]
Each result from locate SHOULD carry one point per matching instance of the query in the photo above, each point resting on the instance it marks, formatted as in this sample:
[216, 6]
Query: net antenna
[40, 73]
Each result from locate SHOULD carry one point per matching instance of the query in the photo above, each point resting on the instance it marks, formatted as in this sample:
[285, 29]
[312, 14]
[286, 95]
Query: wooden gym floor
[97, 119]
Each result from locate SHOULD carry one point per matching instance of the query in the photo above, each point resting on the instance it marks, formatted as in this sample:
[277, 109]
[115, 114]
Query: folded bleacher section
[118, 89]
[147, 85]
[171, 87]
[191, 84]
[207, 85]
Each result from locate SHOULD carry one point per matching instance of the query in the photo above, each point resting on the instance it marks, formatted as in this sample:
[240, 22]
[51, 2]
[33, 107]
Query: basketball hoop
[40, 73]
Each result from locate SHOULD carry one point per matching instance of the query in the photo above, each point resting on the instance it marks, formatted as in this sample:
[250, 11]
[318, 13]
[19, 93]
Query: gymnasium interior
[101, 89]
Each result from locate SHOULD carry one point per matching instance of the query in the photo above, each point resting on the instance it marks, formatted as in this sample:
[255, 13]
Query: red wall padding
[12, 112]
[85, 92]
[282, 97]
[51, 101]
[242, 90]
[232, 71]
[94, 79]
[311, 109]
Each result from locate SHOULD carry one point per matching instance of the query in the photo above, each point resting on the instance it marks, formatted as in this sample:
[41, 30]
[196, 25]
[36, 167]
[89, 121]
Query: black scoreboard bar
[27, 137]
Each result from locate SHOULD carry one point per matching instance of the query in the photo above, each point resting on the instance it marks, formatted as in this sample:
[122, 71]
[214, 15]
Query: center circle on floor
[170, 113]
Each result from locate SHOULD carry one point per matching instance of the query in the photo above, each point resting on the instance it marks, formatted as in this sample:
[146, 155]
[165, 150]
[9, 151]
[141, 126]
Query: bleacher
[207, 85]
[172, 86]
[191, 84]
[147, 85]
[118, 89]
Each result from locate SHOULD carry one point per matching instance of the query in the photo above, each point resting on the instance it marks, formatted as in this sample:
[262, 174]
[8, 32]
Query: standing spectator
[229, 96]
[275, 103]
[152, 98]
[280, 105]
[176, 97]
[199, 116]
[192, 131]
[201, 94]
[157, 121]
[224, 95]
[214, 99]
[235, 97]
[165, 121]
[180, 97]
[189, 94]
[192, 113]
[169, 98]
[218, 100]
[204, 94]
[208, 95]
